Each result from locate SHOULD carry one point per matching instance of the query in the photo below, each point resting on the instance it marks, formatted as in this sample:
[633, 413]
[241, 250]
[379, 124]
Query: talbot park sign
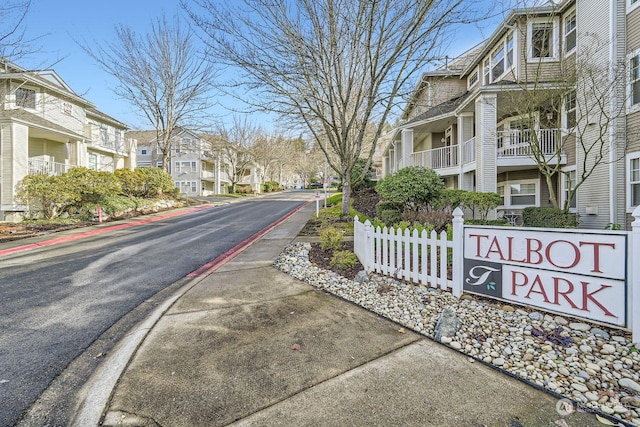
[578, 273]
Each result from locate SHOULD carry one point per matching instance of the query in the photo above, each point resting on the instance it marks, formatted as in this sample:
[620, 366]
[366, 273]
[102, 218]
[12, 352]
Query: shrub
[270, 186]
[414, 187]
[90, 185]
[449, 199]
[156, 182]
[482, 202]
[549, 218]
[330, 238]
[131, 182]
[47, 196]
[344, 259]
[436, 220]
[389, 212]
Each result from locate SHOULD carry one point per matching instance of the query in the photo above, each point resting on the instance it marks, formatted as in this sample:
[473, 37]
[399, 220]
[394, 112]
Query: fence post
[369, 251]
[634, 280]
[458, 255]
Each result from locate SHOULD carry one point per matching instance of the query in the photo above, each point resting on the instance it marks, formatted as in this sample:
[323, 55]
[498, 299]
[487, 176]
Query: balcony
[520, 143]
[47, 167]
[437, 158]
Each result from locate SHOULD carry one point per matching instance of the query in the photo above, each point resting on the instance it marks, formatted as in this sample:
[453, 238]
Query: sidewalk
[250, 346]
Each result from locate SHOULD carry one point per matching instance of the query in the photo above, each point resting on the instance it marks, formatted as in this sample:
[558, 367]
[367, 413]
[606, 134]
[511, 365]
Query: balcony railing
[437, 158]
[469, 151]
[47, 167]
[520, 143]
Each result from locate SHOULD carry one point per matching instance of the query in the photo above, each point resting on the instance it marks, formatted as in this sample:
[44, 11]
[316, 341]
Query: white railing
[437, 158]
[469, 151]
[47, 167]
[517, 143]
[422, 258]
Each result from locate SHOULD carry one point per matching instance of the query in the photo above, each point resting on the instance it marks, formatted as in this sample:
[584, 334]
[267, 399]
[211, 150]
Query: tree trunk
[552, 191]
[346, 196]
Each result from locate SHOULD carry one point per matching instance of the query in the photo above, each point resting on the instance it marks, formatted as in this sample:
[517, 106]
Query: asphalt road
[64, 306]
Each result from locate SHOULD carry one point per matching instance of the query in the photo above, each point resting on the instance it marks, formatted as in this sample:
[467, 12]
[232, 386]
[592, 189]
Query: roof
[446, 107]
[37, 121]
[91, 111]
[144, 137]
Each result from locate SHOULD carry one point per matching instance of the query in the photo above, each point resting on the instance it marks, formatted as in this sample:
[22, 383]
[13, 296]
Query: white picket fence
[412, 256]
[433, 260]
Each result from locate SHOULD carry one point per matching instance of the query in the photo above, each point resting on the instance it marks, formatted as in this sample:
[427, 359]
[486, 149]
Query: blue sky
[63, 21]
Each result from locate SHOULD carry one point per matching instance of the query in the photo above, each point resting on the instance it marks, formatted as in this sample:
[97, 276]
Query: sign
[579, 273]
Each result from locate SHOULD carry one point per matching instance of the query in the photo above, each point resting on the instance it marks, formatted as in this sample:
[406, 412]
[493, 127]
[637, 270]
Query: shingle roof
[37, 121]
[440, 109]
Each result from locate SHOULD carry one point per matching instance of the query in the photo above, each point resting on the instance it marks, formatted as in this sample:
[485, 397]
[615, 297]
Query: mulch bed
[322, 258]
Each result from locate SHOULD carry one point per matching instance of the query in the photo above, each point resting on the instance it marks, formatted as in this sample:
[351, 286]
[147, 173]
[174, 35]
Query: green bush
[414, 187]
[548, 217]
[269, 186]
[90, 185]
[389, 212]
[156, 182]
[46, 196]
[482, 203]
[114, 204]
[331, 238]
[131, 182]
[344, 259]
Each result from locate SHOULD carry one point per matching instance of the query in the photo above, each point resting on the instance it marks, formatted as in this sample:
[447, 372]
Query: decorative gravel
[594, 366]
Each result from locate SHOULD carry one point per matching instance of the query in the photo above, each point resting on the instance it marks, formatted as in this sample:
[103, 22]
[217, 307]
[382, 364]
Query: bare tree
[269, 151]
[575, 111]
[335, 66]
[162, 74]
[234, 143]
[13, 41]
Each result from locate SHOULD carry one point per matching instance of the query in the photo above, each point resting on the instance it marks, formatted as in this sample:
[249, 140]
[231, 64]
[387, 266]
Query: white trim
[563, 184]
[631, 6]
[507, 193]
[507, 68]
[631, 156]
[632, 107]
[555, 41]
[564, 31]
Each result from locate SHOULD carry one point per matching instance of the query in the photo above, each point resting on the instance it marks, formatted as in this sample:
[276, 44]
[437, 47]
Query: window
[25, 98]
[104, 137]
[473, 79]
[509, 46]
[542, 39]
[497, 62]
[634, 79]
[632, 4]
[570, 33]
[570, 109]
[522, 194]
[143, 151]
[519, 194]
[633, 177]
[485, 72]
[93, 161]
[500, 62]
[501, 193]
[569, 183]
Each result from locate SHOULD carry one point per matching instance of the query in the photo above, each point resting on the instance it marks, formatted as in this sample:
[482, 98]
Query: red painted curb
[90, 233]
[227, 256]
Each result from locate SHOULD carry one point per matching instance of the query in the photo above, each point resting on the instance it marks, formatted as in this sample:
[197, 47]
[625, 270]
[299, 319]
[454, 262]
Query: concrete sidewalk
[249, 345]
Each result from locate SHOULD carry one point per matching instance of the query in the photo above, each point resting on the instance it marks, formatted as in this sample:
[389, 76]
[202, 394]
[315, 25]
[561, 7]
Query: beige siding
[437, 91]
[633, 30]
[633, 132]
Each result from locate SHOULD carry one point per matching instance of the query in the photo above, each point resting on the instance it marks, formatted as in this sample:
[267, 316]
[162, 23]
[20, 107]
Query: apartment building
[196, 168]
[546, 109]
[46, 128]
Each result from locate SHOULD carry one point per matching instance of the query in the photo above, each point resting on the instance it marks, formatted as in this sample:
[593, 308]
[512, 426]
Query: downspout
[613, 197]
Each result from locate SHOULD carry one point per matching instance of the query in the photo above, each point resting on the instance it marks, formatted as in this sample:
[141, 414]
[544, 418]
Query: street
[65, 306]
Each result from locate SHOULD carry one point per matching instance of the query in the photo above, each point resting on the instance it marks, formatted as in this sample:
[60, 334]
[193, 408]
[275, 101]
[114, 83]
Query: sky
[61, 24]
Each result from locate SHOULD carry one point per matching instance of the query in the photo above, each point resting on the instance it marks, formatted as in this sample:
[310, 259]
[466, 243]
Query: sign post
[317, 203]
[325, 184]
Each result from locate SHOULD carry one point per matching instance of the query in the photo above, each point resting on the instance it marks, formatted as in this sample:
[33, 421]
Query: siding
[633, 30]
[593, 17]
[633, 132]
